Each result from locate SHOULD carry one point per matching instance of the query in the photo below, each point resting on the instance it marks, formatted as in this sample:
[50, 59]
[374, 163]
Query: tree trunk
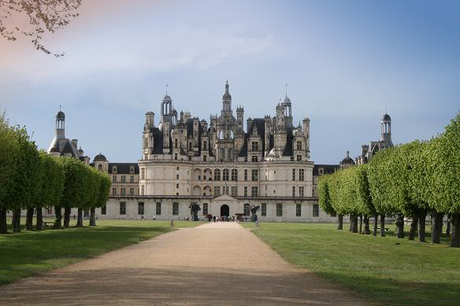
[92, 217]
[400, 226]
[67, 211]
[17, 220]
[367, 230]
[58, 214]
[80, 218]
[340, 226]
[30, 219]
[352, 220]
[376, 222]
[436, 228]
[421, 227]
[360, 224]
[39, 225]
[355, 224]
[3, 223]
[449, 217]
[382, 225]
[413, 227]
[455, 233]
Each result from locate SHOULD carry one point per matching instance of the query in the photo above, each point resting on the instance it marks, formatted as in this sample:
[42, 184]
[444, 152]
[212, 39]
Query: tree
[74, 186]
[103, 195]
[363, 196]
[8, 155]
[194, 209]
[324, 198]
[43, 16]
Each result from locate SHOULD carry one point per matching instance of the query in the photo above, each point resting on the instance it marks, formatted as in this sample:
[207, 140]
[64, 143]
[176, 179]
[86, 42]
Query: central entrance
[224, 210]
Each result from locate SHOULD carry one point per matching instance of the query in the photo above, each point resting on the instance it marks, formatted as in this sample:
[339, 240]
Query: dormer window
[131, 169]
[114, 169]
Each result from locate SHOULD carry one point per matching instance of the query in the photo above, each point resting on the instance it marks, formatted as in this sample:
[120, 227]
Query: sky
[345, 63]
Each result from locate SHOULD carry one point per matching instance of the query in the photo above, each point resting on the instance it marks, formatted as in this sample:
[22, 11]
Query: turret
[385, 130]
[227, 99]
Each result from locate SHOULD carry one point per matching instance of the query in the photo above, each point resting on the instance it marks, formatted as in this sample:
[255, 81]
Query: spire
[227, 87]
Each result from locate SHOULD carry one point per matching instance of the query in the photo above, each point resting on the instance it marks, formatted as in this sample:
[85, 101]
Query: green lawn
[388, 270]
[29, 253]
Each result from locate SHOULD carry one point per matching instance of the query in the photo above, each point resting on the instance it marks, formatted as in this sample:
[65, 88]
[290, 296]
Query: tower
[60, 125]
[227, 99]
[385, 130]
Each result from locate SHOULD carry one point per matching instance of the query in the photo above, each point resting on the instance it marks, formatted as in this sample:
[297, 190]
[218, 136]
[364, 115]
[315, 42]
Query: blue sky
[344, 61]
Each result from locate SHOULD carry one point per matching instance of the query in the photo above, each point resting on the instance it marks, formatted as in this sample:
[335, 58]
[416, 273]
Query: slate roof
[123, 168]
[328, 169]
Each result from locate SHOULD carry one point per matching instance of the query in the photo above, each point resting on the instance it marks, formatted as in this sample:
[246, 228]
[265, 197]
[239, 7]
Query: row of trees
[410, 180]
[33, 180]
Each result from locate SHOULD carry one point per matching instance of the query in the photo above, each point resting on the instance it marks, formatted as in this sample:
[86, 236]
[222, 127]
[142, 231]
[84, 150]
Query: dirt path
[213, 264]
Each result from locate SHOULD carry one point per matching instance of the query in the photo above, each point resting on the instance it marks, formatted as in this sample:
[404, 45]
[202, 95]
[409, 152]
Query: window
[299, 157]
[299, 145]
[114, 191]
[279, 210]
[158, 208]
[190, 146]
[99, 167]
[175, 156]
[315, 210]
[104, 210]
[255, 175]
[140, 208]
[234, 175]
[247, 209]
[175, 209]
[217, 175]
[142, 189]
[293, 191]
[254, 191]
[131, 179]
[131, 169]
[245, 174]
[298, 210]
[224, 190]
[123, 179]
[225, 175]
[216, 191]
[114, 169]
[143, 174]
[254, 158]
[301, 191]
[245, 191]
[293, 174]
[131, 191]
[177, 176]
[176, 143]
[204, 158]
[177, 185]
[255, 146]
[301, 175]
[114, 179]
[123, 191]
[264, 209]
[122, 208]
[234, 191]
[205, 145]
[205, 208]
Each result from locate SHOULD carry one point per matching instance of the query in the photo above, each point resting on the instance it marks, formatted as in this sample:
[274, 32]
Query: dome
[226, 96]
[100, 158]
[287, 100]
[60, 115]
[386, 117]
[149, 113]
[347, 160]
[167, 98]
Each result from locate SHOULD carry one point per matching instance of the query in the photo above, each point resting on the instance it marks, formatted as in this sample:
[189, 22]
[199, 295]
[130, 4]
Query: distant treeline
[31, 179]
[410, 180]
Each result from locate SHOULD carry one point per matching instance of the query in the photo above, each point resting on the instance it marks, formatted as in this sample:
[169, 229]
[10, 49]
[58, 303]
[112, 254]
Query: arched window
[234, 175]
[247, 209]
[230, 154]
[222, 154]
[225, 175]
[99, 167]
[217, 175]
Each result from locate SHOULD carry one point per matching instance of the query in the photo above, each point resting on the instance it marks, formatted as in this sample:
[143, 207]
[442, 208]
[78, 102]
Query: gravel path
[213, 264]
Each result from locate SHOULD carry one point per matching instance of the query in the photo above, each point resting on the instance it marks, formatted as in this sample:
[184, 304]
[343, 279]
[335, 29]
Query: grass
[387, 270]
[31, 252]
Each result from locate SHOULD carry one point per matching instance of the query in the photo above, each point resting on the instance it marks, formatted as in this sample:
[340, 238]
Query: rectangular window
[264, 209]
[279, 210]
[122, 208]
[299, 157]
[216, 191]
[234, 191]
[245, 191]
[255, 175]
[293, 174]
[104, 210]
[301, 191]
[158, 209]
[131, 191]
[131, 169]
[246, 174]
[114, 169]
[299, 145]
[205, 208]
[255, 158]
[131, 179]
[114, 191]
[204, 158]
[123, 179]
[176, 143]
[293, 191]
[254, 191]
[177, 185]
[140, 208]
[298, 210]
[142, 189]
[315, 210]
[301, 175]
[175, 209]
[255, 146]
[114, 179]
[143, 174]
[123, 191]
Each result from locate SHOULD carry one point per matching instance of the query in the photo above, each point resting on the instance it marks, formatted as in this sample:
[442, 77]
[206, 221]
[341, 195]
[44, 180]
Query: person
[142, 217]
[74, 216]
[154, 217]
[214, 219]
